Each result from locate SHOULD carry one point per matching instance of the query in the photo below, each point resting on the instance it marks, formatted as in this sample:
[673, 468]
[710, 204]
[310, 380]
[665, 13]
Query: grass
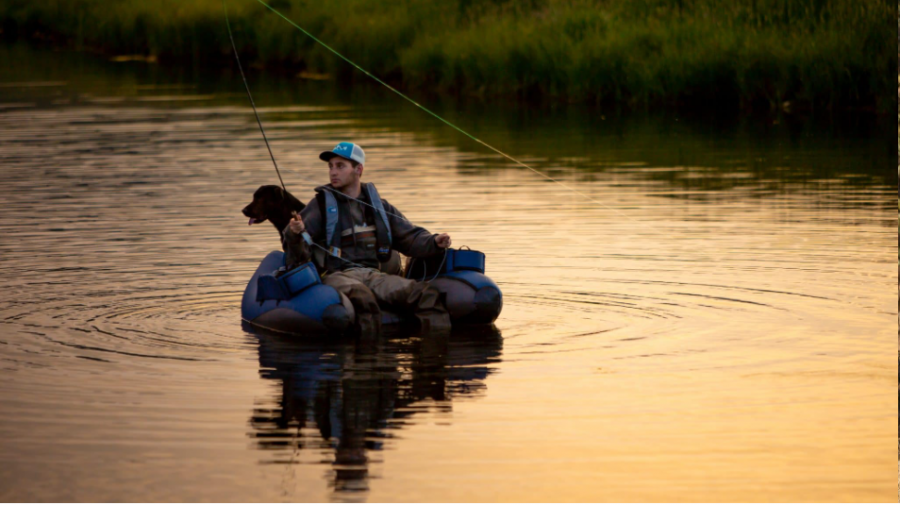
[632, 53]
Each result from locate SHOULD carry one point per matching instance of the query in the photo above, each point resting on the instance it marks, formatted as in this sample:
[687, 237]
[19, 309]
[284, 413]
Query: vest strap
[331, 217]
[375, 198]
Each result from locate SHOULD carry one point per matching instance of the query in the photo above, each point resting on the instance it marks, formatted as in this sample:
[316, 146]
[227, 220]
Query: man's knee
[341, 282]
[431, 310]
[422, 296]
[363, 299]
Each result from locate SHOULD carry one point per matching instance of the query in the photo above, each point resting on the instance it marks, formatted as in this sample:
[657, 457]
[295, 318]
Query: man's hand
[442, 240]
[296, 225]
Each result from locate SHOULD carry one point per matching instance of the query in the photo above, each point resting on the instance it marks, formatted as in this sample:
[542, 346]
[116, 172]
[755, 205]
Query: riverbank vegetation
[635, 53]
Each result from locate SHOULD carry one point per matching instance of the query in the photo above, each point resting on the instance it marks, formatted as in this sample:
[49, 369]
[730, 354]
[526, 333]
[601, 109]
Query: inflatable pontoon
[297, 301]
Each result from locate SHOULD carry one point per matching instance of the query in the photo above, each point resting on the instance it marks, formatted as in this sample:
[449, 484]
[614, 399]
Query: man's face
[342, 174]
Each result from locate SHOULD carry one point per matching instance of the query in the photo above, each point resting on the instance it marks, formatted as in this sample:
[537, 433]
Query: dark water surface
[722, 328]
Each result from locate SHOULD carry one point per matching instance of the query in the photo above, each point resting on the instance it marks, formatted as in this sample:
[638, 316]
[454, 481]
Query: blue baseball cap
[347, 150]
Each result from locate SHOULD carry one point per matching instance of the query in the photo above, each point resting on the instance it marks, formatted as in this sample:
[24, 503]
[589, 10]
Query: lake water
[721, 326]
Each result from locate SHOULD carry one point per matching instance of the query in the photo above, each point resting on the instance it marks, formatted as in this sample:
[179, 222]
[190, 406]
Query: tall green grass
[811, 53]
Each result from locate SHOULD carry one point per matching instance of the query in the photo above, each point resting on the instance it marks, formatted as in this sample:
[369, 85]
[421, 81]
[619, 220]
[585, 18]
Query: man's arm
[310, 221]
[412, 240]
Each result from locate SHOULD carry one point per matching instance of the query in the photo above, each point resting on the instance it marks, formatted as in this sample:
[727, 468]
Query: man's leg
[418, 297]
[350, 285]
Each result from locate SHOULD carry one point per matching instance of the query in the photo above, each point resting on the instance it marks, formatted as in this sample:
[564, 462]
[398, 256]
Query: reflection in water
[347, 397]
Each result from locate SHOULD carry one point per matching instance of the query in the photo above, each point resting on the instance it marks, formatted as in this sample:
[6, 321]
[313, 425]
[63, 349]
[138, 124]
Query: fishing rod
[247, 87]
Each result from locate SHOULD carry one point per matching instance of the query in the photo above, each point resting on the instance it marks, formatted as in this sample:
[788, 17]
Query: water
[722, 328]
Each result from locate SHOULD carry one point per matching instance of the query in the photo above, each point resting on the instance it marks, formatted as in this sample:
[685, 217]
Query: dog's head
[268, 201]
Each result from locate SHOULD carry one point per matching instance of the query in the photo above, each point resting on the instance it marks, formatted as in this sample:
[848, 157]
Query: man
[359, 229]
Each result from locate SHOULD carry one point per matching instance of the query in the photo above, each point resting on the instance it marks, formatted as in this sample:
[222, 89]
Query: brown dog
[276, 205]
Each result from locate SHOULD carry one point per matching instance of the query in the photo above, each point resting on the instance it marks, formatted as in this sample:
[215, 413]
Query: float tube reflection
[348, 396]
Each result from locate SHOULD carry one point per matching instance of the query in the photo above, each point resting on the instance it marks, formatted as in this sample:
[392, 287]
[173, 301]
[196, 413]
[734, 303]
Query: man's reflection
[354, 393]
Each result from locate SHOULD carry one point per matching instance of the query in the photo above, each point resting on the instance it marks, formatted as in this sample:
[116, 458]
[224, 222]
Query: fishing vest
[331, 214]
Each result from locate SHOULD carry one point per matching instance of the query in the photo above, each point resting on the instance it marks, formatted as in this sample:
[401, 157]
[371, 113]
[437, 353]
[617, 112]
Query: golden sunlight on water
[677, 343]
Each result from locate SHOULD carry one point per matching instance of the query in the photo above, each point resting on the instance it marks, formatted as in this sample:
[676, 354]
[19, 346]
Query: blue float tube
[297, 301]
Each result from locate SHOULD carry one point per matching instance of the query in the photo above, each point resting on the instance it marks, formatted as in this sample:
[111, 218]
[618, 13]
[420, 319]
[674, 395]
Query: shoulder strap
[329, 206]
[375, 199]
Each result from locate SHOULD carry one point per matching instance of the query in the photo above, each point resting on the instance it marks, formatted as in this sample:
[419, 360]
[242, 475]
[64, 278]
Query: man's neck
[352, 191]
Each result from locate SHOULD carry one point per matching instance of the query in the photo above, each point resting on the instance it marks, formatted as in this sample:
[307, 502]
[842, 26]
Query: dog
[275, 204]
[278, 206]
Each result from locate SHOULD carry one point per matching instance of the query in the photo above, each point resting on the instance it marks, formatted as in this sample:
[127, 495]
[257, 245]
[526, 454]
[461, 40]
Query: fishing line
[448, 123]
